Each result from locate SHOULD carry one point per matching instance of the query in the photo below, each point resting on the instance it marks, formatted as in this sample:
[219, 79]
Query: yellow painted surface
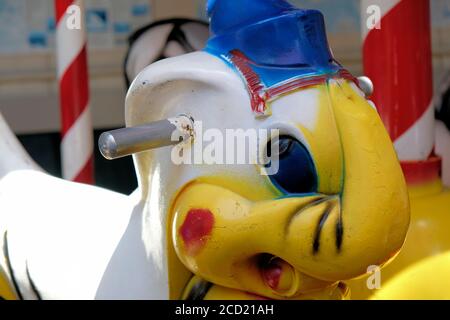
[428, 235]
[179, 276]
[325, 146]
[6, 292]
[427, 279]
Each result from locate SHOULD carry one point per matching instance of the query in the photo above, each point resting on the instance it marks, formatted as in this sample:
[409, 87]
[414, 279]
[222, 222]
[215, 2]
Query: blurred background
[29, 88]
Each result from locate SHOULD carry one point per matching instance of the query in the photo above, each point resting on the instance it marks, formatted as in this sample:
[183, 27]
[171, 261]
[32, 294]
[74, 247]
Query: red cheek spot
[195, 229]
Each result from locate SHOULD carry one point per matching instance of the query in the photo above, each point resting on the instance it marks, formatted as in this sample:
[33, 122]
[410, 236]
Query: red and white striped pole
[77, 136]
[397, 58]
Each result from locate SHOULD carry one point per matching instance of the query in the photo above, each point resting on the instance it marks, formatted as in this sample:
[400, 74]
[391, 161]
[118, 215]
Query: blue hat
[279, 39]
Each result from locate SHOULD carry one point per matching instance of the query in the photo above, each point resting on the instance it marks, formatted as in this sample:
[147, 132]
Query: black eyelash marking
[32, 284]
[8, 264]
[300, 210]
[320, 225]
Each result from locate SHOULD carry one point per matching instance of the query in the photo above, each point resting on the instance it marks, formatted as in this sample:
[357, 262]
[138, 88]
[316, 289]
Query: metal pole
[127, 141]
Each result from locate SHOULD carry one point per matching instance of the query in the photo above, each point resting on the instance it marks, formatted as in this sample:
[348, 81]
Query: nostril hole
[276, 273]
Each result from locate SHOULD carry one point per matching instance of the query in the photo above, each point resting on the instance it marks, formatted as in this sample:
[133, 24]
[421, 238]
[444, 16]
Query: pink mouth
[271, 270]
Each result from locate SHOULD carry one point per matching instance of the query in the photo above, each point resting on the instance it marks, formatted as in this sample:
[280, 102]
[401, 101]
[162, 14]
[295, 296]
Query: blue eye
[297, 173]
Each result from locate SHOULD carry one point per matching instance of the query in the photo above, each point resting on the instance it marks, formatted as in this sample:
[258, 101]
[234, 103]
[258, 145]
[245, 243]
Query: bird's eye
[296, 171]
